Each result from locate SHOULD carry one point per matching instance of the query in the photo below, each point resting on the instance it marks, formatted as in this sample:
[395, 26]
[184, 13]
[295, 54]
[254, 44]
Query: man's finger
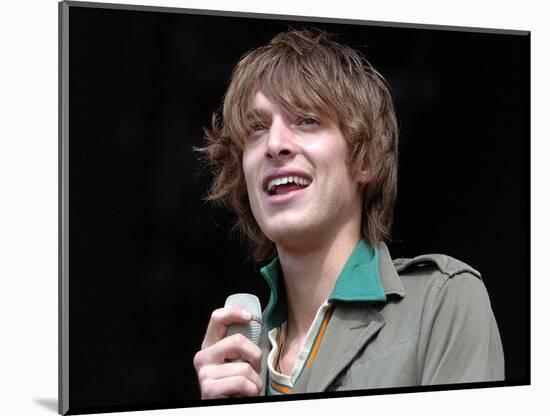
[228, 387]
[220, 320]
[216, 372]
[228, 349]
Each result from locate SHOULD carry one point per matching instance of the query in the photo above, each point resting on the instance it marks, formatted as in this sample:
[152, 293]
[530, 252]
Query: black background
[149, 259]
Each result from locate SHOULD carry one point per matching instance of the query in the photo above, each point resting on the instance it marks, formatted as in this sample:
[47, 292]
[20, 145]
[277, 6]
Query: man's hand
[219, 375]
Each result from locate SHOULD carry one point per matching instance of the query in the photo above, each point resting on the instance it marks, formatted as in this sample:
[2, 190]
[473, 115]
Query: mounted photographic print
[257, 208]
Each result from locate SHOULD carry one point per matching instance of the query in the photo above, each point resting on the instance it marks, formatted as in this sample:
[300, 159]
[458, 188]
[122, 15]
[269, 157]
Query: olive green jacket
[436, 327]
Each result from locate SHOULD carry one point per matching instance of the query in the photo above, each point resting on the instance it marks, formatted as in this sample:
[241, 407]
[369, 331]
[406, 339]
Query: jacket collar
[388, 274]
[368, 276]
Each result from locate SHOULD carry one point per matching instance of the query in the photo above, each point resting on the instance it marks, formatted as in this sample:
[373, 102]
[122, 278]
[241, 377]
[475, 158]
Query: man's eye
[257, 127]
[308, 121]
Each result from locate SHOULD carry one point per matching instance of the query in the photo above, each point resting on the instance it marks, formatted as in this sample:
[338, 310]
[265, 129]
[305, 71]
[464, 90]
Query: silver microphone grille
[252, 304]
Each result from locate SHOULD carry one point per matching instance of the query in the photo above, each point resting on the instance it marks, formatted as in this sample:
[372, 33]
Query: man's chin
[292, 236]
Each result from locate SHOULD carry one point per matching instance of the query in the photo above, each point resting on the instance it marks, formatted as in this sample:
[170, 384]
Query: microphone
[252, 329]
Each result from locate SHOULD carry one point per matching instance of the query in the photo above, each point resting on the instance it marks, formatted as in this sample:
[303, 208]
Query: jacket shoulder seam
[447, 265]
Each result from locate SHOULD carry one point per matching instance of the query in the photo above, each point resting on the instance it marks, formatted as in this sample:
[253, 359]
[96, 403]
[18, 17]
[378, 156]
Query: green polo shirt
[359, 281]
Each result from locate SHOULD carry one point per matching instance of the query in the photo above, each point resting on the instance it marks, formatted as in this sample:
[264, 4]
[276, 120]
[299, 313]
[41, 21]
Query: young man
[306, 156]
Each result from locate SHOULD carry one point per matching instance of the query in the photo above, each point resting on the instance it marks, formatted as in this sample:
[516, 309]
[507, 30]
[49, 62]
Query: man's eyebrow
[257, 114]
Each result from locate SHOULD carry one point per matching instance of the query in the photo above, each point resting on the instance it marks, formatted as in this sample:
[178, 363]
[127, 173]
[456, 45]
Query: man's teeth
[287, 179]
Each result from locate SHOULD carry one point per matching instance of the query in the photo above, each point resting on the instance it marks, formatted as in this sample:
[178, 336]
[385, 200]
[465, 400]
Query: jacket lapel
[350, 328]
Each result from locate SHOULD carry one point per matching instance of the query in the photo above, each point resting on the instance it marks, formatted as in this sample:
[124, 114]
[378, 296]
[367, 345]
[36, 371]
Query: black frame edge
[314, 19]
[63, 205]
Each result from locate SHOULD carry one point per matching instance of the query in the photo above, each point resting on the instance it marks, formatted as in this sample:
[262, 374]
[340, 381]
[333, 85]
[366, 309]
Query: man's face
[299, 187]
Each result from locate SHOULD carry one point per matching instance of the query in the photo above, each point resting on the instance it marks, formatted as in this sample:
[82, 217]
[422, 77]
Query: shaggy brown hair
[307, 71]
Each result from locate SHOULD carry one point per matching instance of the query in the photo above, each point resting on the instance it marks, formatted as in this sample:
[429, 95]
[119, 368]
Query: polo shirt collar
[359, 281]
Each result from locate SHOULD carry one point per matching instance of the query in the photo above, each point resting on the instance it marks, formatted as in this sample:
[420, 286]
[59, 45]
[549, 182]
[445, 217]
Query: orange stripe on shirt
[319, 337]
[279, 387]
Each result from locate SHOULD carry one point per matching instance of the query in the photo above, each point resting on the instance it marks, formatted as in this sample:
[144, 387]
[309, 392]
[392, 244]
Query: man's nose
[281, 141]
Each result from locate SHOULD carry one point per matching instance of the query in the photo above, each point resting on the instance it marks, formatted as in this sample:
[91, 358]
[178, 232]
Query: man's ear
[364, 176]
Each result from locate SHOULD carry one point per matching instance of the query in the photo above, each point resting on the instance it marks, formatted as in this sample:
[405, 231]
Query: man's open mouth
[286, 184]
